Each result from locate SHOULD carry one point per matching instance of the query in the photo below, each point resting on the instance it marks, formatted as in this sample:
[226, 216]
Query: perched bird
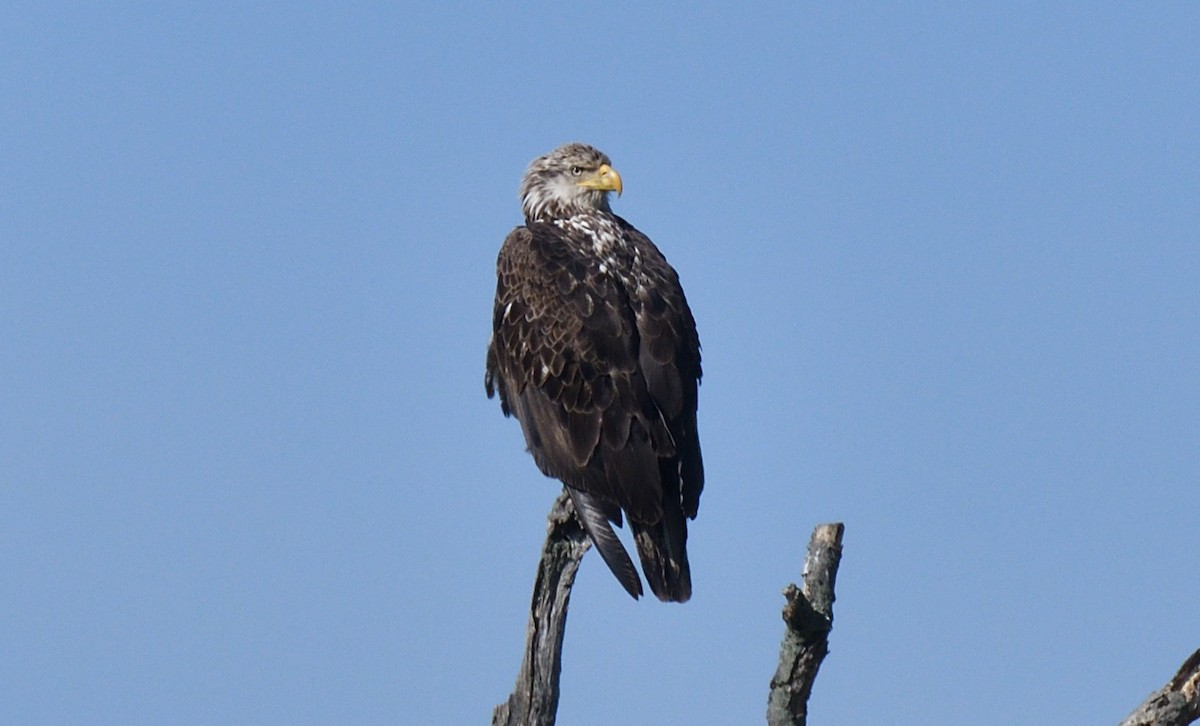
[595, 351]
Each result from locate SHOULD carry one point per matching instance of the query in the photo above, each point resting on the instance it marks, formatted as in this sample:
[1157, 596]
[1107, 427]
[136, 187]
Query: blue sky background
[946, 266]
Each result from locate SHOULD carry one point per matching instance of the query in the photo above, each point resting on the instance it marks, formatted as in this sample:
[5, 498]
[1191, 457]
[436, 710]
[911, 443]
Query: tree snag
[534, 700]
[808, 614]
[1175, 704]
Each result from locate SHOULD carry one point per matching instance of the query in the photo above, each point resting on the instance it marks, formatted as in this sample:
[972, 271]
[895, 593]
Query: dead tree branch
[1175, 704]
[809, 617]
[534, 700]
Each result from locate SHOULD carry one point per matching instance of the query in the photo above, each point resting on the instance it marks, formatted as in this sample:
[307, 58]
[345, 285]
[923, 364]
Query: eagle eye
[576, 170]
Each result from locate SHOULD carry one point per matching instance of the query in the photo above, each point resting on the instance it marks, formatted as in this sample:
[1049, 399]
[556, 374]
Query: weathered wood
[1175, 704]
[534, 700]
[808, 614]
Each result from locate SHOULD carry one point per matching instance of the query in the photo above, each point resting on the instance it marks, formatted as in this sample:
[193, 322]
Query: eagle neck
[540, 206]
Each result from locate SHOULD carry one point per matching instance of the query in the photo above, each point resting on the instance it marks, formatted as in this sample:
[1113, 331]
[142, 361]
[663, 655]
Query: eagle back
[593, 350]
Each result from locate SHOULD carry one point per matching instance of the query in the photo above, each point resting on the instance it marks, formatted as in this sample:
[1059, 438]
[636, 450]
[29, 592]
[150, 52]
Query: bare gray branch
[1175, 704]
[534, 700]
[809, 617]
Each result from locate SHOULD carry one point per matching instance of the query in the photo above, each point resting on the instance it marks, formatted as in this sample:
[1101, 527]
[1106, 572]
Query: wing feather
[565, 349]
[603, 379]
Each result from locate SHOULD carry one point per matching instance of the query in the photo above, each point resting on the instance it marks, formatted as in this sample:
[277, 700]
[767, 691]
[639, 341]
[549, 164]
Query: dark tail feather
[592, 514]
[662, 547]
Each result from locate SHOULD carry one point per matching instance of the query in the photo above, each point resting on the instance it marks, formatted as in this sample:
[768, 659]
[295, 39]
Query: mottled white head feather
[573, 179]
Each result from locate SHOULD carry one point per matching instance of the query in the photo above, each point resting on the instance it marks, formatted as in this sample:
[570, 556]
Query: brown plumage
[595, 351]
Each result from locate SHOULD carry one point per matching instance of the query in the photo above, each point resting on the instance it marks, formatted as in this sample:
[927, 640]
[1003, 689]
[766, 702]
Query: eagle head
[573, 179]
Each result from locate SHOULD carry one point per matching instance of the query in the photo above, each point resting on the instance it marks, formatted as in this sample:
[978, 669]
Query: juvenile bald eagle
[595, 351]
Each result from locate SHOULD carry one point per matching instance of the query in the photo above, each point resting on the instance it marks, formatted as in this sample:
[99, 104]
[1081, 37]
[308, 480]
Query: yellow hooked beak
[606, 179]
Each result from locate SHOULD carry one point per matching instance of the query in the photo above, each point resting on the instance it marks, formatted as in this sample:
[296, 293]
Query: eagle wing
[669, 358]
[565, 358]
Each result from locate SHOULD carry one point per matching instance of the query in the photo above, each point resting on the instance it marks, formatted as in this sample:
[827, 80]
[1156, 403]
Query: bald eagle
[595, 351]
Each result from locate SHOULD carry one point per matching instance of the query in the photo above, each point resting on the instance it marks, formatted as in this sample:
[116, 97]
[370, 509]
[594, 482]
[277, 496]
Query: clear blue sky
[946, 266]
